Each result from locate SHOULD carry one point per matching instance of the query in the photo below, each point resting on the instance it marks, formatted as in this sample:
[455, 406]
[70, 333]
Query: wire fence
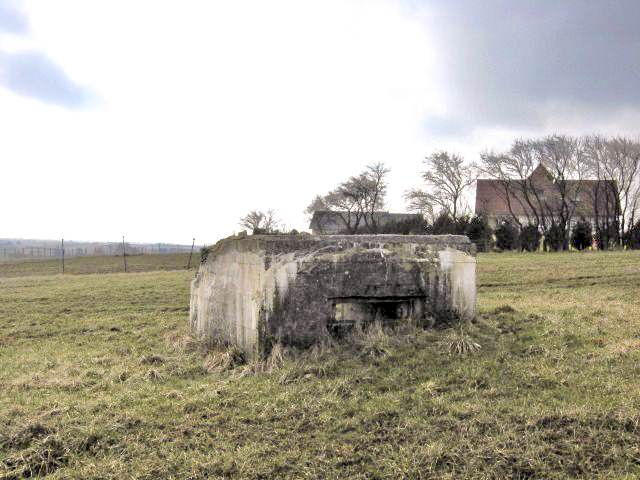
[24, 257]
[101, 264]
[34, 253]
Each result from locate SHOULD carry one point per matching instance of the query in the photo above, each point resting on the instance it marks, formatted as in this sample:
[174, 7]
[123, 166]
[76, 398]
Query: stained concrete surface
[260, 289]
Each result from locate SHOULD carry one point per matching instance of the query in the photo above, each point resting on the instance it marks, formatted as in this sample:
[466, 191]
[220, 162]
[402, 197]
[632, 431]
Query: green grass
[99, 380]
[99, 264]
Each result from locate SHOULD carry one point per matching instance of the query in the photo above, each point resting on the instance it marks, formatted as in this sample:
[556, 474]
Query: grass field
[99, 264]
[99, 380]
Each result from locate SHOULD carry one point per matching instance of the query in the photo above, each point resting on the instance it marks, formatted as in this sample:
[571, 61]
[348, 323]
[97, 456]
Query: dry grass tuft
[218, 362]
[462, 344]
[277, 358]
[154, 375]
[152, 359]
[182, 343]
[252, 368]
[372, 342]
[326, 345]
[537, 350]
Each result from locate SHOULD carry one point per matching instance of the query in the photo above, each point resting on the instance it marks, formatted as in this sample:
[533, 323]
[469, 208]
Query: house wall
[328, 227]
[587, 194]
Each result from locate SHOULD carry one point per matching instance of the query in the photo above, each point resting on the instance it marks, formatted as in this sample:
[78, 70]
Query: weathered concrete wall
[255, 290]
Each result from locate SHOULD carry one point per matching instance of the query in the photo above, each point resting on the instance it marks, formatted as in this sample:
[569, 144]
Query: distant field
[100, 264]
[99, 380]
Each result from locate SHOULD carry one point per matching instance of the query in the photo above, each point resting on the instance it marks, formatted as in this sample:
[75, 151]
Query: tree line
[596, 171]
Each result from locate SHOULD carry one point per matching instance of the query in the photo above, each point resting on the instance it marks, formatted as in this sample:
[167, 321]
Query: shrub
[607, 236]
[530, 238]
[443, 225]
[412, 226]
[479, 232]
[581, 235]
[506, 236]
[462, 224]
[555, 238]
[632, 239]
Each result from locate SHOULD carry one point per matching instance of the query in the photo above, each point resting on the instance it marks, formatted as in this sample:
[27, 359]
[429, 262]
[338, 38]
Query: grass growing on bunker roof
[100, 380]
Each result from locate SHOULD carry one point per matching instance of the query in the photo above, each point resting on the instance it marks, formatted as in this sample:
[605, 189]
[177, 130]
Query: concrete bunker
[257, 290]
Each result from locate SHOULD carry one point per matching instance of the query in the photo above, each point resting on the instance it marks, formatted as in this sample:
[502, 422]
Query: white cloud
[216, 108]
[212, 108]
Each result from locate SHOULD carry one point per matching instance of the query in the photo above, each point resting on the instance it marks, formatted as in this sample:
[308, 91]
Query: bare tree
[356, 199]
[257, 220]
[318, 203]
[564, 157]
[547, 203]
[513, 171]
[615, 163]
[368, 191]
[417, 201]
[447, 179]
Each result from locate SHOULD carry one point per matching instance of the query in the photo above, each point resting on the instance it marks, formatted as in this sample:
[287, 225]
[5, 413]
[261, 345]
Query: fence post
[189, 262]
[63, 256]
[124, 255]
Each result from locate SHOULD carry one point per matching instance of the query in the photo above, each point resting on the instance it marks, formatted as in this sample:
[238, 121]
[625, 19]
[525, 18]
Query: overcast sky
[164, 121]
